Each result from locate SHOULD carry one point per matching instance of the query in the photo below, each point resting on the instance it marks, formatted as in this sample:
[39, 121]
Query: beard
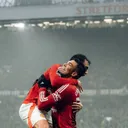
[63, 75]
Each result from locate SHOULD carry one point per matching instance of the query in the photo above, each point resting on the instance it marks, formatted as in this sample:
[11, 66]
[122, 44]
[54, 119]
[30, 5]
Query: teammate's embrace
[29, 111]
[62, 99]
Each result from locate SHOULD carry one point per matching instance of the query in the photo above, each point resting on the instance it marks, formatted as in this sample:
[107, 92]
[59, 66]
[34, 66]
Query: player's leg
[38, 119]
[49, 119]
[23, 112]
[31, 115]
[46, 121]
[41, 124]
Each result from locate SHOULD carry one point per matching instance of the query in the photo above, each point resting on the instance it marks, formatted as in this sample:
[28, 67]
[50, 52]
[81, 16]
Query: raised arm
[56, 80]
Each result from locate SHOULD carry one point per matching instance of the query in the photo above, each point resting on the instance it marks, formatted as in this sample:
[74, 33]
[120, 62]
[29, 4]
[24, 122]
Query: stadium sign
[60, 11]
[102, 9]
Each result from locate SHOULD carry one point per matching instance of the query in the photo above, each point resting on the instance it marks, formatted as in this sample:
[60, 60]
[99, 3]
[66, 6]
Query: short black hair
[81, 57]
[80, 69]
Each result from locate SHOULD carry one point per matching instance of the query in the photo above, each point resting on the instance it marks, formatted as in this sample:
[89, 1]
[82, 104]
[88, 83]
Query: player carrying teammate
[63, 98]
[29, 111]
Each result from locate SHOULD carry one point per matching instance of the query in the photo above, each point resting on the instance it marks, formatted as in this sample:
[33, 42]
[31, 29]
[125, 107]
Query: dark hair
[81, 57]
[80, 69]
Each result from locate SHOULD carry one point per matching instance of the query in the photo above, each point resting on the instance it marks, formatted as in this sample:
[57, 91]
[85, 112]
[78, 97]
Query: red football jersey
[56, 81]
[62, 99]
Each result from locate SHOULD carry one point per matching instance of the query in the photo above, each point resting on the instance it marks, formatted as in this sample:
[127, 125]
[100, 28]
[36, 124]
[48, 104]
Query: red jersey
[56, 81]
[62, 99]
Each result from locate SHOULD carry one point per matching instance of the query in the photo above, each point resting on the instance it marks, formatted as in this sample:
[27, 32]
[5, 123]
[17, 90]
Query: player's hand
[79, 86]
[77, 107]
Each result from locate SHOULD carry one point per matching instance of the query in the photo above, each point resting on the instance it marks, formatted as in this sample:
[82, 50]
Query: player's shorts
[30, 114]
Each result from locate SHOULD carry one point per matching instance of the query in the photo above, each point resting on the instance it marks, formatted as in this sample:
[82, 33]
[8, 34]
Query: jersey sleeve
[46, 102]
[46, 73]
[55, 79]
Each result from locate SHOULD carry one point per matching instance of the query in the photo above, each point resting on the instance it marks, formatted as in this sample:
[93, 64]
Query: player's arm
[45, 103]
[51, 77]
[57, 80]
[44, 80]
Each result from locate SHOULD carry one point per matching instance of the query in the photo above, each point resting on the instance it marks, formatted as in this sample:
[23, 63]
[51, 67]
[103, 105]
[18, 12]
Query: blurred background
[34, 34]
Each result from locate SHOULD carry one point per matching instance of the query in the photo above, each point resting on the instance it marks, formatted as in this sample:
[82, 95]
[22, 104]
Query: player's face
[87, 65]
[68, 68]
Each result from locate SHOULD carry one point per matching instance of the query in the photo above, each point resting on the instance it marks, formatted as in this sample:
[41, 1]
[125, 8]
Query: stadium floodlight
[96, 22]
[77, 21]
[62, 23]
[108, 20]
[120, 20]
[86, 22]
[108, 119]
[46, 23]
[40, 25]
[127, 22]
[7, 25]
[51, 24]
[19, 25]
[0, 26]
[67, 24]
